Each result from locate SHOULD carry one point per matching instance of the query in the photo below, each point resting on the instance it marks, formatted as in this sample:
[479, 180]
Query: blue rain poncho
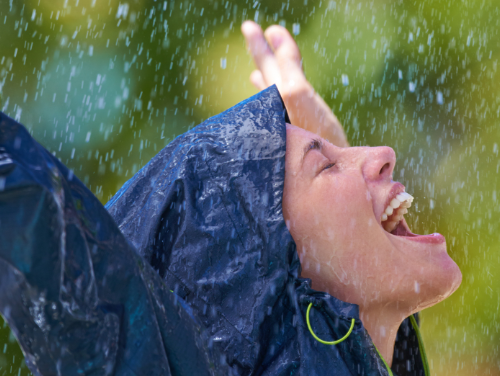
[87, 292]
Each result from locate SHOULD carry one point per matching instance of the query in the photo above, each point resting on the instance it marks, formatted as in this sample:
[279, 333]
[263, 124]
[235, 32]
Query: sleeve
[78, 297]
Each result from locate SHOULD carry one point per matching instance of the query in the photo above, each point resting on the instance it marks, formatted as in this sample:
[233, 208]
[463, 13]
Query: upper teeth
[398, 206]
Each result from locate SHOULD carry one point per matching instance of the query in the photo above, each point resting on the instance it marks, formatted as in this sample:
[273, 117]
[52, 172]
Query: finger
[261, 52]
[287, 55]
[257, 80]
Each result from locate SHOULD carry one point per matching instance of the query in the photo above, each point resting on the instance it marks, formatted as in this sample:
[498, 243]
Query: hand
[282, 65]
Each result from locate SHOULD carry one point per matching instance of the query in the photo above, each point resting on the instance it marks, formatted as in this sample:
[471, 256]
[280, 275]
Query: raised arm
[278, 61]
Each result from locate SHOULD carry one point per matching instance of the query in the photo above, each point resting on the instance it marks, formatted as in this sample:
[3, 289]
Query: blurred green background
[104, 85]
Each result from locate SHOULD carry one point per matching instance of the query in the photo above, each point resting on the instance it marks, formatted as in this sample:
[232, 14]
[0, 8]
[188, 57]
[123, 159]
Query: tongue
[401, 230]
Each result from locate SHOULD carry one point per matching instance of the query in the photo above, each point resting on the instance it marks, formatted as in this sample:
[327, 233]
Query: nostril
[384, 168]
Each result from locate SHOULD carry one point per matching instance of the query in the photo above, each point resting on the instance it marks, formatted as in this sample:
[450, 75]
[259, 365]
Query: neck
[382, 324]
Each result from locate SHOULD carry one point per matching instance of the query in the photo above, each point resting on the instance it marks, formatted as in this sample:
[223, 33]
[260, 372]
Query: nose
[379, 163]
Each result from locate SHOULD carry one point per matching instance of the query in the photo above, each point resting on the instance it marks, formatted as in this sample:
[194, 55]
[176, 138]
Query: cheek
[332, 214]
[355, 243]
[344, 204]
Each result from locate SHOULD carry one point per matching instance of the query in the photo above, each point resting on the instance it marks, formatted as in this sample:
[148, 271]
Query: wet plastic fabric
[206, 215]
[78, 297]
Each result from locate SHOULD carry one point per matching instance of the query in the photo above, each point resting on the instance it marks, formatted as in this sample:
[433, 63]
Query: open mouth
[392, 220]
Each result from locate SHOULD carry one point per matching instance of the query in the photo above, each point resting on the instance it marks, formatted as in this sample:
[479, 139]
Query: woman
[278, 61]
[225, 215]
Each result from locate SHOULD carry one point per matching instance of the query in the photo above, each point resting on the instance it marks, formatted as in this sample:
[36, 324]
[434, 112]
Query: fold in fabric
[78, 297]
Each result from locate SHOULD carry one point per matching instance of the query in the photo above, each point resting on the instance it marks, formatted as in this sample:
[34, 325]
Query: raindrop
[382, 331]
[64, 41]
[122, 11]
[345, 80]
[439, 97]
[223, 63]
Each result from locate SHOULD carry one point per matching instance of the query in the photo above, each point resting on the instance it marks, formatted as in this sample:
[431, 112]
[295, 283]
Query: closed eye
[329, 165]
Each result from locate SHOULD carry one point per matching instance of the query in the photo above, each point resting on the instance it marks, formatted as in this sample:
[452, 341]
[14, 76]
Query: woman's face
[333, 203]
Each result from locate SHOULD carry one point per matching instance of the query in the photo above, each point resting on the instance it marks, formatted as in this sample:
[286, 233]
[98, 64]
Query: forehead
[296, 134]
[297, 139]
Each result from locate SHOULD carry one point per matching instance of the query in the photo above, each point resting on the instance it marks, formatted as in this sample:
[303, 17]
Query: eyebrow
[315, 144]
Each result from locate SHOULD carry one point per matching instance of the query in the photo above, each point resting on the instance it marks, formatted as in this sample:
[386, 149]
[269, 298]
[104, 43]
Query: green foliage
[11, 358]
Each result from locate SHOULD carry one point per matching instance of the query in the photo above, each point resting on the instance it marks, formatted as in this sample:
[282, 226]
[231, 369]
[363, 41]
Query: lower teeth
[390, 223]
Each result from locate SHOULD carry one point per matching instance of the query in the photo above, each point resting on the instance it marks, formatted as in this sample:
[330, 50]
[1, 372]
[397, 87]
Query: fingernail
[276, 41]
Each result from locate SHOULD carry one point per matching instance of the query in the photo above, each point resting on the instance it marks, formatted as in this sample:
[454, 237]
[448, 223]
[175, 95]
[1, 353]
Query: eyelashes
[327, 166]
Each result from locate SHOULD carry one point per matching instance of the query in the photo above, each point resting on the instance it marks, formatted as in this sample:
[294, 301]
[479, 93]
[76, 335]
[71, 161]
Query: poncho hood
[206, 214]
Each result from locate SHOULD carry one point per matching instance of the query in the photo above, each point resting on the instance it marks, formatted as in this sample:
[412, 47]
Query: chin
[440, 281]
[451, 274]
[431, 273]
